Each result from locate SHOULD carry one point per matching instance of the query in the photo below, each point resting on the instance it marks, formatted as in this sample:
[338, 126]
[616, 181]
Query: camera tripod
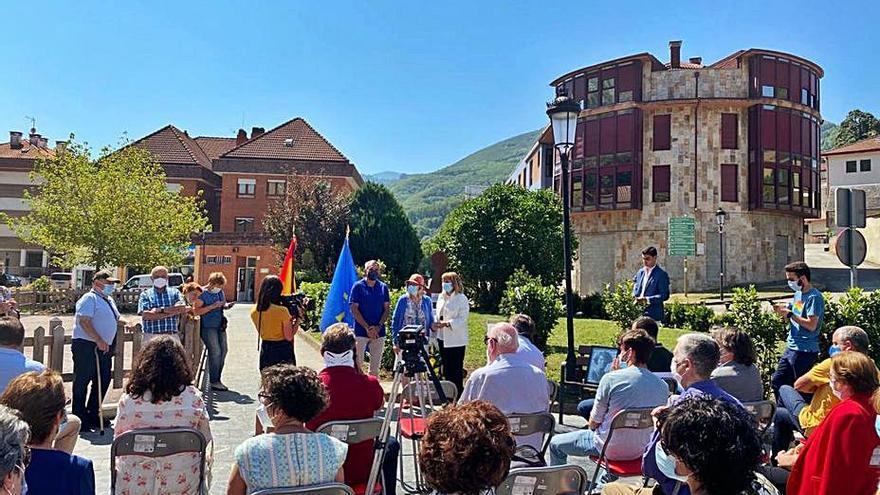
[422, 389]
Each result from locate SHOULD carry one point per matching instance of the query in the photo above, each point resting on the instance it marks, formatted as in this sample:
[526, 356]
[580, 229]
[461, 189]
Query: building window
[865, 166]
[729, 182]
[33, 259]
[851, 166]
[606, 86]
[173, 187]
[767, 91]
[247, 188]
[226, 260]
[275, 188]
[777, 77]
[211, 260]
[662, 132]
[729, 134]
[244, 224]
[608, 91]
[593, 92]
[660, 183]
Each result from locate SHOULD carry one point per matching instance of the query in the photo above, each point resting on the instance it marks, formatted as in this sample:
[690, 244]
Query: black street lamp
[720, 218]
[563, 113]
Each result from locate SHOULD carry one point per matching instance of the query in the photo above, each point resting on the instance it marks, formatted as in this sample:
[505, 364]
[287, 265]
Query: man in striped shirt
[160, 306]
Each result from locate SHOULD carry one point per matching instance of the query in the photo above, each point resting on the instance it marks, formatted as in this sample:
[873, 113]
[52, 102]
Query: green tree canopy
[381, 230]
[856, 126]
[113, 211]
[507, 227]
[317, 214]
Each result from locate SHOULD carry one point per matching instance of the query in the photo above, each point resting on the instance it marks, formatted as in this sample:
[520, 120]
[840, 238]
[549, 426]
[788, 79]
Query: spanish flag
[288, 278]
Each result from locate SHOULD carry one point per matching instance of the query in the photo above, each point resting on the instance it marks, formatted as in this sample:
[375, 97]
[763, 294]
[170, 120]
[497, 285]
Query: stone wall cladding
[611, 241]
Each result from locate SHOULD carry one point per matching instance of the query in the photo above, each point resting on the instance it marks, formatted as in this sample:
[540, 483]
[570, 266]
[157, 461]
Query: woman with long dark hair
[275, 325]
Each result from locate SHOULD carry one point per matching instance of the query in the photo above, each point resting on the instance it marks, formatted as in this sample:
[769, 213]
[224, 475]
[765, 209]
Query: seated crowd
[704, 441]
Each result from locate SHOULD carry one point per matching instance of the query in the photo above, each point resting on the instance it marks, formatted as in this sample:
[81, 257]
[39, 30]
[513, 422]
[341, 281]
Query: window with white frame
[275, 188]
[247, 188]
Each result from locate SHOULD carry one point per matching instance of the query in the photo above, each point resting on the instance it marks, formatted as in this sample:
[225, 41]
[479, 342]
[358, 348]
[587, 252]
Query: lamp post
[720, 219]
[563, 113]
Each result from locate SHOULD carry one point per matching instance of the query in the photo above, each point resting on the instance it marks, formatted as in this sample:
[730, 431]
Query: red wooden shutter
[661, 183]
[662, 137]
[729, 134]
[729, 182]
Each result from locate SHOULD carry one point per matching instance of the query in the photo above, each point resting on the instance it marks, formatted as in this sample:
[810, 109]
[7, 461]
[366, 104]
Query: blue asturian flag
[336, 308]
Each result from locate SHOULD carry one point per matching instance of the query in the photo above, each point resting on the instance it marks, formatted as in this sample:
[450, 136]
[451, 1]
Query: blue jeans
[791, 366]
[579, 443]
[215, 344]
[786, 421]
[585, 407]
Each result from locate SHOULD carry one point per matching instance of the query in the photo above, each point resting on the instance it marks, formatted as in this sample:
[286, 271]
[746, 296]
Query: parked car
[62, 280]
[10, 280]
[144, 282]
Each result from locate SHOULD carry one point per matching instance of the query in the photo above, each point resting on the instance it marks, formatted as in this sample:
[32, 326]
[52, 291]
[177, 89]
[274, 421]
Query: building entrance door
[246, 276]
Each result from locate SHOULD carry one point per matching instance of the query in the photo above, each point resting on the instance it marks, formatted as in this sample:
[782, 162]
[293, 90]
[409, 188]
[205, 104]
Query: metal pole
[685, 277]
[566, 250]
[853, 274]
[721, 242]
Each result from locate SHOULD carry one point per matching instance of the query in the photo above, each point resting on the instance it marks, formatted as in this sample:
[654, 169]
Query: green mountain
[829, 134]
[427, 198]
[384, 177]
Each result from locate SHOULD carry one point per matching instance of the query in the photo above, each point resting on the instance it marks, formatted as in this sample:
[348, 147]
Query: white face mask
[160, 283]
[794, 285]
[666, 464]
[672, 370]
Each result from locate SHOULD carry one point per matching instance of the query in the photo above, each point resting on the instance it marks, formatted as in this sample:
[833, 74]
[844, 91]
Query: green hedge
[856, 307]
[694, 317]
[316, 291]
[526, 294]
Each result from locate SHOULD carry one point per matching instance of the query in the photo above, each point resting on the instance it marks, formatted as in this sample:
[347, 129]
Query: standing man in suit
[651, 285]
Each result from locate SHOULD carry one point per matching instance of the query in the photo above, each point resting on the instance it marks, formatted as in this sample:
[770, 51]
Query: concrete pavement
[834, 276]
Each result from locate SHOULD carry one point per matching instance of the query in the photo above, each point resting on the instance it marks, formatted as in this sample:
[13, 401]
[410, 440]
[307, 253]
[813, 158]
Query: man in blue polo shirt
[94, 339]
[12, 361]
[371, 306]
[804, 315]
[160, 307]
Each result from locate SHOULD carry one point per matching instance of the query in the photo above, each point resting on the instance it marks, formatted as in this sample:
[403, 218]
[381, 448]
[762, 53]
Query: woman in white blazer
[451, 323]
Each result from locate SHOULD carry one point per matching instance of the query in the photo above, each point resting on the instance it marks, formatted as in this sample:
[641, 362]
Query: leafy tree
[856, 126]
[766, 329]
[112, 211]
[527, 294]
[620, 305]
[507, 227]
[381, 230]
[317, 214]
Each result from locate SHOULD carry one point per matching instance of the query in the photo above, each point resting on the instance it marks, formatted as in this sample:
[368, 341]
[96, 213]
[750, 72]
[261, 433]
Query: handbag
[224, 322]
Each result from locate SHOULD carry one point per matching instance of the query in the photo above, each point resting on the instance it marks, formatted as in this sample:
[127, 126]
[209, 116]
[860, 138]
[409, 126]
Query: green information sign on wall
[682, 237]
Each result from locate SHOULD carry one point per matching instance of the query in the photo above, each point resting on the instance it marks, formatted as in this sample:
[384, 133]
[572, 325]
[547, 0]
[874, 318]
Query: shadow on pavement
[95, 438]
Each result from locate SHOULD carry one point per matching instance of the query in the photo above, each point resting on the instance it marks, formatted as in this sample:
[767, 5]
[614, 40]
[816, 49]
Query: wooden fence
[64, 301]
[49, 347]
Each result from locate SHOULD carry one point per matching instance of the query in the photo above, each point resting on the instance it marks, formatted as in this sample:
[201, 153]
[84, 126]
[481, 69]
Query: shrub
[590, 306]
[317, 291]
[388, 353]
[674, 314]
[42, 284]
[526, 294]
[620, 305]
[767, 330]
[694, 317]
[855, 307]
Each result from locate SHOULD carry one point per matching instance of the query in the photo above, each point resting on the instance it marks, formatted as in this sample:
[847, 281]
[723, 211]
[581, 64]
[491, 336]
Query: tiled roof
[863, 146]
[171, 145]
[685, 65]
[215, 146]
[305, 144]
[27, 152]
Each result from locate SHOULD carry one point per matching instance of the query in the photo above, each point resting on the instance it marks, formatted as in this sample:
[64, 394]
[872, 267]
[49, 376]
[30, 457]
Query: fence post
[119, 355]
[39, 344]
[56, 355]
[137, 339]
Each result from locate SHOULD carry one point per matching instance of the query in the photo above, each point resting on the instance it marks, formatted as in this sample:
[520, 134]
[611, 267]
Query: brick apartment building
[238, 177]
[658, 140]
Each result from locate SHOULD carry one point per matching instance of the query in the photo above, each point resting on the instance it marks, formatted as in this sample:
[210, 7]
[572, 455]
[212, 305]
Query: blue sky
[404, 86]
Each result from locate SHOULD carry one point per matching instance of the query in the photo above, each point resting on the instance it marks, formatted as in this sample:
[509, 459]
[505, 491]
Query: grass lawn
[596, 332]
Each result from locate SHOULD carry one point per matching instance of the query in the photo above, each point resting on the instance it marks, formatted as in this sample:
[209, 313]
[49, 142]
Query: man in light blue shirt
[525, 329]
[12, 361]
[94, 340]
[631, 387]
[508, 381]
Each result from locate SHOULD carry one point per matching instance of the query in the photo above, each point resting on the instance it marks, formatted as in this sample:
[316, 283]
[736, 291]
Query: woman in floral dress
[160, 394]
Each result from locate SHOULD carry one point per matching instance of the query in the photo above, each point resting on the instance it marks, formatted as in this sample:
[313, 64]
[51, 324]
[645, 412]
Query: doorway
[246, 276]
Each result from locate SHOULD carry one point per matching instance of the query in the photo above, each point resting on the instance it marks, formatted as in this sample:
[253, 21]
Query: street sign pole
[850, 213]
[853, 269]
[685, 277]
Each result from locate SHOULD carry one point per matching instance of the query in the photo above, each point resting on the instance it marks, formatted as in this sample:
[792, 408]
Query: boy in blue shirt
[804, 317]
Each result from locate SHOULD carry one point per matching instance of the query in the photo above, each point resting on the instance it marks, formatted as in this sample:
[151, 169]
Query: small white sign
[264, 270]
[524, 485]
[144, 444]
[339, 432]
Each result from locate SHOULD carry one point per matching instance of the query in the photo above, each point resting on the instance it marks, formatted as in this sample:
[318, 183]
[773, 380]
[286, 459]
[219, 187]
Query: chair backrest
[353, 431]
[552, 480]
[552, 389]
[159, 442]
[763, 412]
[763, 486]
[325, 489]
[522, 425]
[671, 383]
[638, 419]
[449, 389]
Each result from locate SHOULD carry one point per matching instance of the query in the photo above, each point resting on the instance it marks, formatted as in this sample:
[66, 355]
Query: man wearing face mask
[804, 317]
[160, 307]
[353, 395]
[370, 306]
[94, 331]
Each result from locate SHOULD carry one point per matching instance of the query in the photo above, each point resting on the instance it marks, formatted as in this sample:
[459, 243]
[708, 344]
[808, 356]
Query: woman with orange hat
[413, 309]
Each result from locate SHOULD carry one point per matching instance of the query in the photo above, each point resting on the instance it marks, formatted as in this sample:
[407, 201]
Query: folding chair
[635, 419]
[763, 412]
[763, 486]
[325, 489]
[412, 427]
[671, 383]
[160, 442]
[523, 425]
[552, 390]
[551, 480]
[354, 432]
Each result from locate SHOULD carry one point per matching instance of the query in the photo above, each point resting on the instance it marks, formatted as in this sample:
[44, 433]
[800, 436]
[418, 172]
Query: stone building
[659, 140]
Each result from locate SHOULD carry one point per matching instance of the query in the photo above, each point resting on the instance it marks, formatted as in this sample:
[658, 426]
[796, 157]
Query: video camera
[412, 342]
[297, 304]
